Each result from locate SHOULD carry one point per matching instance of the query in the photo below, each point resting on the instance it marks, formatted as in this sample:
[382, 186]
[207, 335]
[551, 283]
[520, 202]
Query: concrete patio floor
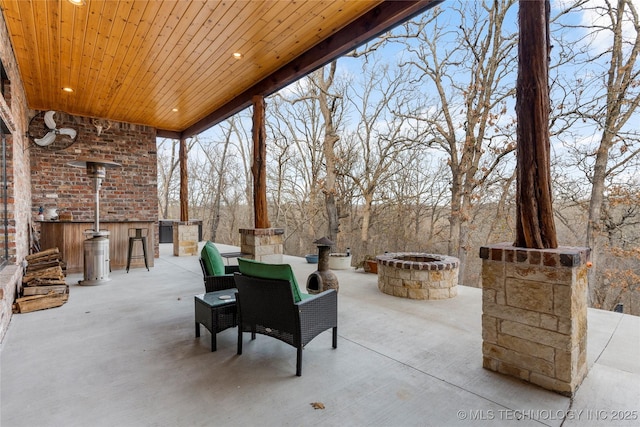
[124, 354]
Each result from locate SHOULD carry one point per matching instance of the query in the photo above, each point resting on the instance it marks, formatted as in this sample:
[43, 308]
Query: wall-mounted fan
[49, 132]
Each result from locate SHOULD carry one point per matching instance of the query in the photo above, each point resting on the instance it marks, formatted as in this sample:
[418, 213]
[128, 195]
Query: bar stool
[137, 235]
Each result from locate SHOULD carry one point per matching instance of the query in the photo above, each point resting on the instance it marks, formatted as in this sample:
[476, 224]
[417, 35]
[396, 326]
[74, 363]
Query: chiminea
[323, 279]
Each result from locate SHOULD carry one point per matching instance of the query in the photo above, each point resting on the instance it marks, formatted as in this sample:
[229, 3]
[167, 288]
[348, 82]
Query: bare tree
[297, 164]
[168, 174]
[605, 89]
[380, 100]
[470, 68]
[329, 98]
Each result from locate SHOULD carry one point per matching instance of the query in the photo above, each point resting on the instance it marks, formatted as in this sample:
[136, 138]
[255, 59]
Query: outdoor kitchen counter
[68, 237]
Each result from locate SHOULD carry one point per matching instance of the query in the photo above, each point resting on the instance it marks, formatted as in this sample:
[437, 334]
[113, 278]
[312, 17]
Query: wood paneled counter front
[69, 237]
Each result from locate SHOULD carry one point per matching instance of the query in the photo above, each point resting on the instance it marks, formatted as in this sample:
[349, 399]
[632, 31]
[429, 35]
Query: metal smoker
[322, 279]
[96, 244]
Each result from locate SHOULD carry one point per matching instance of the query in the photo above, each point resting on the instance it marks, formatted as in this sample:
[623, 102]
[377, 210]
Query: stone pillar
[262, 244]
[534, 314]
[185, 238]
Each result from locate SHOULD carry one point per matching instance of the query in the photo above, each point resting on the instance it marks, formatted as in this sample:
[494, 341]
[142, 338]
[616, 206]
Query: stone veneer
[262, 244]
[185, 238]
[417, 275]
[534, 314]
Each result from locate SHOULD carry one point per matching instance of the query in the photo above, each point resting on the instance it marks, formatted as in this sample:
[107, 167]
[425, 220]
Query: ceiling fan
[50, 132]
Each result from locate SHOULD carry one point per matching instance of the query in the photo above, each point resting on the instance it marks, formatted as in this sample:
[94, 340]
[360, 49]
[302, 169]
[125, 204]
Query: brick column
[185, 239]
[534, 314]
[263, 244]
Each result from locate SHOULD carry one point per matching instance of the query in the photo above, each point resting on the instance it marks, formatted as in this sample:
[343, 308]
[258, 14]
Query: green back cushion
[261, 270]
[212, 260]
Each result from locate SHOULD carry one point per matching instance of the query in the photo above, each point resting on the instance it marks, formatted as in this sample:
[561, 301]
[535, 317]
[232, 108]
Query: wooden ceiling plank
[42, 25]
[21, 18]
[211, 54]
[66, 61]
[223, 63]
[92, 93]
[54, 50]
[175, 54]
[220, 21]
[87, 38]
[120, 45]
[180, 80]
[149, 28]
[78, 36]
[140, 96]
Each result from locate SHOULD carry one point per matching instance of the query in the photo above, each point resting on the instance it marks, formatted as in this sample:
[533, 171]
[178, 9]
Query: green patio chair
[217, 276]
[267, 305]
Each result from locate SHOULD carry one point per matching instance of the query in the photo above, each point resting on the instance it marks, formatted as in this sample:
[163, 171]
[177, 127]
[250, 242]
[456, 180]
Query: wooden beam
[535, 227]
[169, 134]
[259, 166]
[184, 182]
[375, 22]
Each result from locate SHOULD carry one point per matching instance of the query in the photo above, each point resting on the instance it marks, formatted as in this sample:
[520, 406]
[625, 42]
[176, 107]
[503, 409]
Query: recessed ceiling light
[67, 89]
[237, 55]
[77, 2]
[175, 110]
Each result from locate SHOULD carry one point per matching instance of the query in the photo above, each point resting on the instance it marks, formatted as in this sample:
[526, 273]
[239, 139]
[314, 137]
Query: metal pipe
[96, 221]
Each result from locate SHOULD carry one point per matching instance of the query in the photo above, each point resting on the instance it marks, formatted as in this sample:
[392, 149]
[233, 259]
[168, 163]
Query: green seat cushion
[261, 270]
[212, 260]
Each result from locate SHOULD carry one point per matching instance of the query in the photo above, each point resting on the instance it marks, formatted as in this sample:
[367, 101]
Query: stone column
[185, 238]
[262, 244]
[534, 314]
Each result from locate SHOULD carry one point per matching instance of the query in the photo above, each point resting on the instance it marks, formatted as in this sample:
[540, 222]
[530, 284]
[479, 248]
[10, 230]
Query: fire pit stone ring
[418, 275]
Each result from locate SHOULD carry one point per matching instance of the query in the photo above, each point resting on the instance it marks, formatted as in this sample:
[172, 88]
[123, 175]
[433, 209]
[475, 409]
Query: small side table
[227, 255]
[215, 313]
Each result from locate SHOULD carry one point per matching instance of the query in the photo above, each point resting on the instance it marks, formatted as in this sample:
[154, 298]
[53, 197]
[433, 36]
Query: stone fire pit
[418, 275]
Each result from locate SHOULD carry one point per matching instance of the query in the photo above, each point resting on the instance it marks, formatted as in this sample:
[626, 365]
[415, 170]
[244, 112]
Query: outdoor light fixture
[77, 2]
[237, 55]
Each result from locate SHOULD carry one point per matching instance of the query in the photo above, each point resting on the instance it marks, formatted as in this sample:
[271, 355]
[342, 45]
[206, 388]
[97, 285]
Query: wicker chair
[219, 283]
[267, 307]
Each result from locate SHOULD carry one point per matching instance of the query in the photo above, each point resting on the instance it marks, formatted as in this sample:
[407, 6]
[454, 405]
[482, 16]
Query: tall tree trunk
[366, 218]
[218, 196]
[535, 226]
[330, 139]
[455, 217]
[259, 167]
[333, 222]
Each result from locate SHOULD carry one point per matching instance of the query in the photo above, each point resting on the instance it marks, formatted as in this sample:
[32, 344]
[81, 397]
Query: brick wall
[13, 108]
[127, 193]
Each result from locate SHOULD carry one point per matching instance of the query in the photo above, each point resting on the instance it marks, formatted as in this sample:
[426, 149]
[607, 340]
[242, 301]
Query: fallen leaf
[317, 405]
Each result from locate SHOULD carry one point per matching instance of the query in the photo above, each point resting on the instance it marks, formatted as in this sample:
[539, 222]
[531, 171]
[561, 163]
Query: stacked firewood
[43, 285]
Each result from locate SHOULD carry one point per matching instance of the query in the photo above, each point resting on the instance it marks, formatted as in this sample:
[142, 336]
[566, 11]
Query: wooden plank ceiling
[170, 64]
